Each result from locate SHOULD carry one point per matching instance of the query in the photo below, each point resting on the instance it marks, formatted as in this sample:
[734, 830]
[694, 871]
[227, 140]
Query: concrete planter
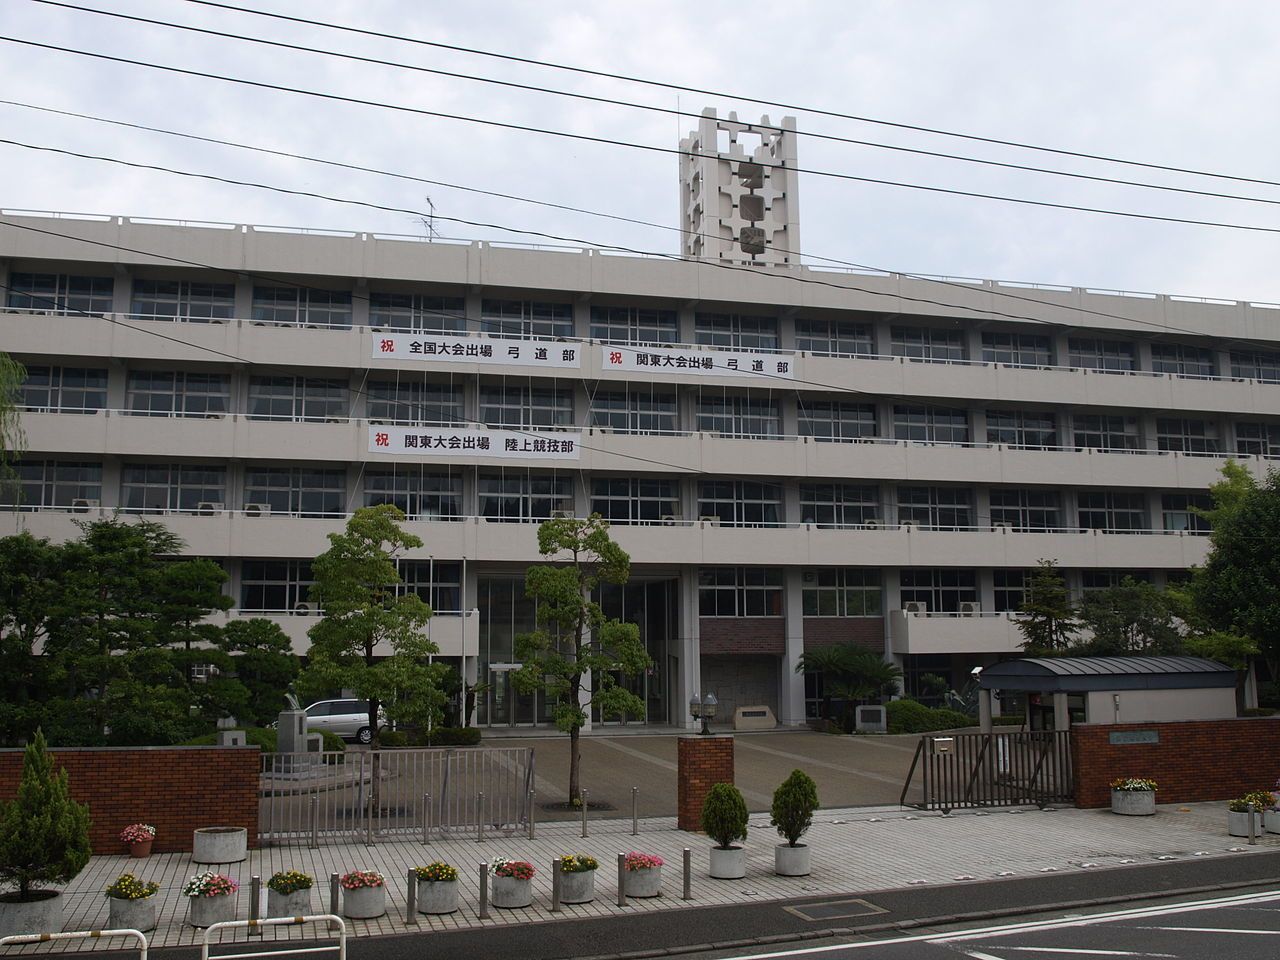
[220, 845]
[789, 861]
[31, 916]
[643, 883]
[510, 893]
[296, 904]
[730, 864]
[1133, 803]
[437, 896]
[1271, 821]
[578, 887]
[131, 914]
[206, 911]
[1238, 823]
[364, 903]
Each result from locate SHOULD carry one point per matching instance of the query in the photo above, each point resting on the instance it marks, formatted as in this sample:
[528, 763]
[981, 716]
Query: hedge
[910, 716]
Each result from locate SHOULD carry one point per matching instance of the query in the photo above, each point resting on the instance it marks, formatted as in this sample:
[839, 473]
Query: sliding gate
[990, 770]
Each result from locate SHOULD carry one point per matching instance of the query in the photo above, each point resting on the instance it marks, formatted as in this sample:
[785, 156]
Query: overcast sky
[1191, 85]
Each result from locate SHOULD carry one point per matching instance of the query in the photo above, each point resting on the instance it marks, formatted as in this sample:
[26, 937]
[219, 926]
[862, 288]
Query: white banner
[497, 444]
[444, 348]
[696, 363]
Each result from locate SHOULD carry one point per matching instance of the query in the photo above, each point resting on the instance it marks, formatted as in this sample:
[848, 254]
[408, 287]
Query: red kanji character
[388, 346]
[381, 440]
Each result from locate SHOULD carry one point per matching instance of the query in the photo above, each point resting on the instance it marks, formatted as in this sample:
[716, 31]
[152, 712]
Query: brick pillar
[703, 762]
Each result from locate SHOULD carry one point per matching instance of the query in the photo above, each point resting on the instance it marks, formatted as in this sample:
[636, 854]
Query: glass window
[1179, 511]
[1028, 510]
[52, 483]
[1261, 365]
[165, 487]
[839, 504]
[634, 325]
[635, 411]
[735, 330]
[61, 293]
[416, 311]
[1258, 439]
[1025, 429]
[64, 389]
[274, 585]
[519, 496]
[520, 406]
[841, 592]
[1111, 510]
[920, 424]
[836, 419]
[1093, 581]
[527, 318]
[739, 592]
[1106, 356]
[298, 398]
[438, 583]
[943, 508]
[1098, 432]
[302, 306]
[177, 393]
[414, 402]
[1186, 435]
[183, 300]
[740, 416]
[1017, 349]
[419, 493]
[635, 499]
[1011, 589]
[926, 343]
[840, 338]
[939, 590]
[301, 491]
[740, 503]
[1181, 360]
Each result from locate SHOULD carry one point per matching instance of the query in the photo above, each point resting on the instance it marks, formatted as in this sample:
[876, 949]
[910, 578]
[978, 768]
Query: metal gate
[991, 770]
[341, 797]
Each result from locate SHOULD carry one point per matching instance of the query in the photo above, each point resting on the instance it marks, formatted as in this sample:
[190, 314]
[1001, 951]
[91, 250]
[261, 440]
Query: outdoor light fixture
[703, 708]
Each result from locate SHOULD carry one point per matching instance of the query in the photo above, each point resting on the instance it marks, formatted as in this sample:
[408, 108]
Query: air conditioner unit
[304, 609]
[207, 508]
[870, 524]
[561, 514]
[1001, 525]
[969, 609]
[714, 521]
[215, 416]
[915, 607]
[670, 519]
[82, 505]
[907, 523]
[257, 509]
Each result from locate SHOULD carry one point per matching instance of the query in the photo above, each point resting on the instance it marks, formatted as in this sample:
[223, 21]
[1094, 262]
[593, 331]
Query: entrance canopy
[1087, 674]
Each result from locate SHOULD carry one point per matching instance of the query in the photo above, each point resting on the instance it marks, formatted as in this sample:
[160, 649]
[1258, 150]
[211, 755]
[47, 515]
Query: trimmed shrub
[393, 738]
[447, 737]
[794, 802]
[266, 739]
[724, 815]
[909, 716]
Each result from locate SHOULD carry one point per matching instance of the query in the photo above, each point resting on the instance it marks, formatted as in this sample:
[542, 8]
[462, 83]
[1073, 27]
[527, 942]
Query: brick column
[703, 762]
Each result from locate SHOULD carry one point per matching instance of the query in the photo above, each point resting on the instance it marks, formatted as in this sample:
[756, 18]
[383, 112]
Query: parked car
[349, 719]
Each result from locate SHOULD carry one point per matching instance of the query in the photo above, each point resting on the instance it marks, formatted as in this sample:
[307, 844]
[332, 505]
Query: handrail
[332, 919]
[79, 934]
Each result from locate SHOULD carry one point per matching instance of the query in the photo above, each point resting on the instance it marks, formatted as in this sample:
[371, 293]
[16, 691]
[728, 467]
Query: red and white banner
[496, 444]
[446, 348]
[697, 363]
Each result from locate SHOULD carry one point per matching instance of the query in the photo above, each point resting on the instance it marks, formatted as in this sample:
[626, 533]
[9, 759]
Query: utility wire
[650, 107]
[526, 128]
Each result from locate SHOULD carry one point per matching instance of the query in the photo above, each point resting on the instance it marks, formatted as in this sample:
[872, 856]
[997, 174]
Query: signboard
[696, 363]
[1134, 736]
[496, 444]
[447, 348]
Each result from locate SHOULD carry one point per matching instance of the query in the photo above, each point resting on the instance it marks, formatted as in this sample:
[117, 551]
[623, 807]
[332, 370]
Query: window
[1025, 429]
[1179, 511]
[1025, 509]
[1093, 581]
[60, 292]
[414, 402]
[419, 493]
[634, 411]
[836, 419]
[52, 483]
[1188, 436]
[925, 343]
[635, 499]
[1017, 349]
[162, 487]
[1011, 589]
[302, 306]
[1112, 511]
[527, 318]
[734, 330]
[1181, 360]
[1256, 365]
[183, 300]
[438, 583]
[840, 338]
[943, 508]
[741, 503]
[938, 590]
[164, 393]
[839, 504]
[930, 424]
[1107, 356]
[274, 585]
[65, 389]
[517, 496]
[634, 325]
[304, 491]
[298, 398]
[841, 592]
[1098, 432]
[1258, 439]
[739, 592]
[415, 311]
[518, 406]
[740, 417]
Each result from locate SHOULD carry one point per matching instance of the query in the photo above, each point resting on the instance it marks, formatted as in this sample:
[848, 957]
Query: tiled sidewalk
[859, 849]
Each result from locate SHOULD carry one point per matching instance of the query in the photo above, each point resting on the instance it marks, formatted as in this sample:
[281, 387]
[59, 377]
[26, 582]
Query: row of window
[306, 306]
[284, 584]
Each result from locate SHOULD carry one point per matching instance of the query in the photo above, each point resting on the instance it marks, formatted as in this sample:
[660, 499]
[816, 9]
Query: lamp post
[703, 708]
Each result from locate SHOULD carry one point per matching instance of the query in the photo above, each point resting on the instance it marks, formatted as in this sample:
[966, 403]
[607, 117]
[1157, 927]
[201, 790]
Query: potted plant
[642, 874]
[364, 894]
[131, 903]
[139, 837]
[794, 802]
[578, 878]
[212, 898]
[1133, 796]
[289, 893]
[44, 839]
[511, 882]
[437, 888]
[1238, 812]
[724, 818]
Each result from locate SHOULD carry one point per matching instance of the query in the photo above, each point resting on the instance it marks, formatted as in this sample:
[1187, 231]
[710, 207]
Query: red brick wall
[867, 632]
[703, 762]
[1194, 760]
[175, 789]
[742, 635]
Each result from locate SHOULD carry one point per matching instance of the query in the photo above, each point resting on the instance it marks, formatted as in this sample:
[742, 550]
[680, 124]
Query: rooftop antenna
[429, 221]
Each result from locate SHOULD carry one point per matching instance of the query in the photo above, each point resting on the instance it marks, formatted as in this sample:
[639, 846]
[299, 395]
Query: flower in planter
[128, 887]
[137, 833]
[1133, 784]
[359, 879]
[290, 881]
[577, 863]
[210, 884]
[436, 872]
[641, 861]
[1261, 800]
[505, 867]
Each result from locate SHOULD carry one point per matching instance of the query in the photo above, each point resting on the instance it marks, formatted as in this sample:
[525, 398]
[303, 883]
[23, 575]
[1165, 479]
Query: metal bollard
[622, 878]
[556, 870]
[635, 811]
[533, 808]
[1253, 833]
[584, 811]
[426, 817]
[688, 875]
[255, 905]
[479, 817]
[484, 891]
[333, 894]
[411, 899]
[315, 822]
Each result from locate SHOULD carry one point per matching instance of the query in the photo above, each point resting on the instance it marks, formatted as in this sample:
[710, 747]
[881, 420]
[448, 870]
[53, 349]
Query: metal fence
[334, 796]
[991, 770]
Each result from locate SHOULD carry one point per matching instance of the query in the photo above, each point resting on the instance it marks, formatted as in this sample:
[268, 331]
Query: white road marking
[979, 955]
[1261, 933]
[1092, 953]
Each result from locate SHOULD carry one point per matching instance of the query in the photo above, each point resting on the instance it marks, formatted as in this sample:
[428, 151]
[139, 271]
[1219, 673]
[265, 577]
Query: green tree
[1047, 620]
[263, 660]
[850, 673]
[29, 570]
[1132, 618]
[574, 643]
[12, 438]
